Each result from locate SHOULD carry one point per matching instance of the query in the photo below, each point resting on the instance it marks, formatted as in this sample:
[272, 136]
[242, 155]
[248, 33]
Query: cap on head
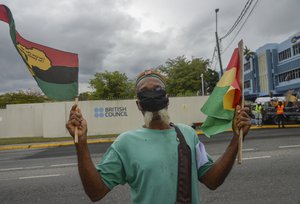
[150, 73]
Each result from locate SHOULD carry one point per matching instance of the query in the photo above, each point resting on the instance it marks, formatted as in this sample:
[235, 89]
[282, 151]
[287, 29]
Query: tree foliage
[21, 97]
[108, 85]
[211, 78]
[248, 54]
[184, 76]
[84, 96]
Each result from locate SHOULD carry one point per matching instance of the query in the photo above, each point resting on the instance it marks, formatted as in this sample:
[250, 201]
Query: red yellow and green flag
[55, 71]
[221, 104]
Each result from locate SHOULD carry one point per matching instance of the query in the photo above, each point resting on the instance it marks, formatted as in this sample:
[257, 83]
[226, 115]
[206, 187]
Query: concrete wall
[24, 120]
[3, 121]
[103, 116]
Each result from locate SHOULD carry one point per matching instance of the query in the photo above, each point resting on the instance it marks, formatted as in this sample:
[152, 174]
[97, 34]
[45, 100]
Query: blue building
[273, 69]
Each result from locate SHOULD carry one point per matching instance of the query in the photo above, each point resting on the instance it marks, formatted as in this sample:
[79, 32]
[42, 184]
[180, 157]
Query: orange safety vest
[280, 109]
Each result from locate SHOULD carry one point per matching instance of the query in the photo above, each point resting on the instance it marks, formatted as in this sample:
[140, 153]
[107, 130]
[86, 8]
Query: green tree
[248, 54]
[183, 75]
[211, 78]
[84, 96]
[21, 97]
[108, 85]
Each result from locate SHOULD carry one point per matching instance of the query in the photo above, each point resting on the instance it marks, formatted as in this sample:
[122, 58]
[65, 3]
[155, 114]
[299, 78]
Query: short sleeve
[203, 159]
[111, 169]
[204, 168]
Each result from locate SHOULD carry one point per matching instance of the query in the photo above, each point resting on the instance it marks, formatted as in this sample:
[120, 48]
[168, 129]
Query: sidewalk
[93, 141]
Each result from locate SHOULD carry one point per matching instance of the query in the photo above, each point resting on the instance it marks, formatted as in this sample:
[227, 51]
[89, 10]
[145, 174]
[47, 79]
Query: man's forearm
[221, 168]
[90, 178]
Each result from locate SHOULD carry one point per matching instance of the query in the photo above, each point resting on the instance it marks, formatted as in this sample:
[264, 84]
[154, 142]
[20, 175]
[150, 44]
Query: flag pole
[76, 128]
[241, 62]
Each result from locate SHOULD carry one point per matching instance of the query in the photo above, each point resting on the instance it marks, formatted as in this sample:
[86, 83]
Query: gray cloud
[115, 35]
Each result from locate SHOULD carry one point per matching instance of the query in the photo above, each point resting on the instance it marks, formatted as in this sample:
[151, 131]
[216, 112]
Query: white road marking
[248, 150]
[261, 157]
[12, 169]
[289, 146]
[40, 176]
[34, 167]
[61, 165]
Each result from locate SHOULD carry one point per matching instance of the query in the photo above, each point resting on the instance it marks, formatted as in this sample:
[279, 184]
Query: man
[280, 114]
[147, 158]
[258, 114]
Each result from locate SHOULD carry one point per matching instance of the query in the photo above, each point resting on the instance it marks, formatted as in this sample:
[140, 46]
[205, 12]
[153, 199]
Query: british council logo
[99, 112]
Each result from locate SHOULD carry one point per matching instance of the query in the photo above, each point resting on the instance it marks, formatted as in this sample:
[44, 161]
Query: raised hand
[76, 120]
[242, 120]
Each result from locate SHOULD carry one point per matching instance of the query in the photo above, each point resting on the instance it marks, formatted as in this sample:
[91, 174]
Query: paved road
[269, 172]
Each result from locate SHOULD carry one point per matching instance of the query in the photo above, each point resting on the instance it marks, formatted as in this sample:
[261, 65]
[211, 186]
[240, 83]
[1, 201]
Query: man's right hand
[76, 120]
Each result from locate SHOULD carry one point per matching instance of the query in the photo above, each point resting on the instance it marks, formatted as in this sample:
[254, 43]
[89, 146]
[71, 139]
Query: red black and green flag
[55, 71]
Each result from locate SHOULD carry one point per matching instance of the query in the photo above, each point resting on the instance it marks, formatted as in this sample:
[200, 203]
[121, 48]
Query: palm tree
[248, 54]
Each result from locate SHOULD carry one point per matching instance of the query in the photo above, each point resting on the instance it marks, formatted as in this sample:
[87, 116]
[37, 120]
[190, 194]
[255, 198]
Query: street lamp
[202, 84]
[217, 39]
[216, 10]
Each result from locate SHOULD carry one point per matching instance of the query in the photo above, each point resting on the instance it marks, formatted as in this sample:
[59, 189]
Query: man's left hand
[242, 121]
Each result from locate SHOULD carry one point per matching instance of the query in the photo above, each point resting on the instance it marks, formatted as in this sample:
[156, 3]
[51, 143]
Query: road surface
[269, 173]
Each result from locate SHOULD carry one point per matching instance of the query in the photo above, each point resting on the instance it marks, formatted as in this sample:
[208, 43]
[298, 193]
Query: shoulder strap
[184, 184]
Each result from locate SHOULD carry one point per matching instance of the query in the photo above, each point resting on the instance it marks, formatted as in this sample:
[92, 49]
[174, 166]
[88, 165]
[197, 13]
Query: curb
[53, 144]
[93, 141]
[253, 127]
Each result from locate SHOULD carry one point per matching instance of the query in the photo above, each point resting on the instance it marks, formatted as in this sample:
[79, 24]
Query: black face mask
[153, 100]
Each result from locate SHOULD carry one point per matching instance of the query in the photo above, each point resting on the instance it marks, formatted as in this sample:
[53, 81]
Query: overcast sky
[132, 35]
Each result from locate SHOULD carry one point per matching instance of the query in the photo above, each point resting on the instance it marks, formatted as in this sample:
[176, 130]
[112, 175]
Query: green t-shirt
[147, 160]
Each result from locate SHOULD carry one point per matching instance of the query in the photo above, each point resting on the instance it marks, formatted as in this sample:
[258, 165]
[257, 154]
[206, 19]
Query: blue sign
[295, 38]
[108, 112]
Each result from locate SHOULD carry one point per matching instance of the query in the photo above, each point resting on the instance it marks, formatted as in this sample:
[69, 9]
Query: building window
[247, 84]
[285, 54]
[247, 67]
[296, 49]
[290, 75]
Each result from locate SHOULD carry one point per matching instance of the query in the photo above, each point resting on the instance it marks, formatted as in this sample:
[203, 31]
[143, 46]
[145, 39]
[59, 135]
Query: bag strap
[184, 187]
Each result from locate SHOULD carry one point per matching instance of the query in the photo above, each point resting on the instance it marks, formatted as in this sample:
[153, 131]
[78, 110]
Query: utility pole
[217, 39]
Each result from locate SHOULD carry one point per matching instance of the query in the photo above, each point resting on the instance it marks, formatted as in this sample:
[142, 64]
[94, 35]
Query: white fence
[103, 116]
